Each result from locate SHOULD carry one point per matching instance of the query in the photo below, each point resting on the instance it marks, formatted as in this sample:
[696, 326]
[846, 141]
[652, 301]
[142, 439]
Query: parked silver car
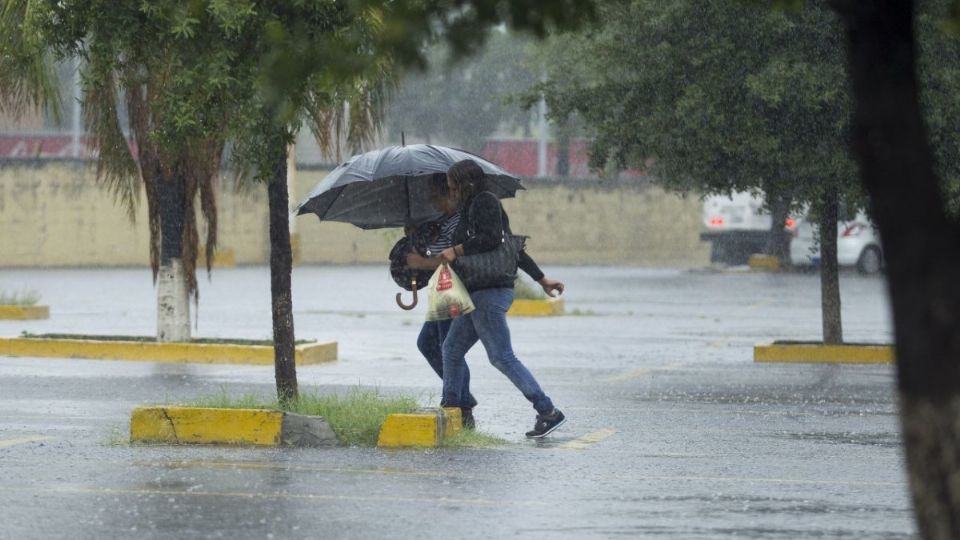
[858, 244]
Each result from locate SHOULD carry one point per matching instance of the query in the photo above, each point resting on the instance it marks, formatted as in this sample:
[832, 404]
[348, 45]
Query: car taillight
[716, 221]
[852, 230]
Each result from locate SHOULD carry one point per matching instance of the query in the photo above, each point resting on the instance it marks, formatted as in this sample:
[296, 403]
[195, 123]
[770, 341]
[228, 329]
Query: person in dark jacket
[483, 222]
[433, 333]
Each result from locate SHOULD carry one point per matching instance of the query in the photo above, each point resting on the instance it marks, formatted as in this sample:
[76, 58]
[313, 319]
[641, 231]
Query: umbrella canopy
[389, 187]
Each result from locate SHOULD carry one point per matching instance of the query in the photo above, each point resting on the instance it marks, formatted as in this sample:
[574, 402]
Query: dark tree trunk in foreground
[921, 247]
[281, 266]
[778, 243]
[829, 271]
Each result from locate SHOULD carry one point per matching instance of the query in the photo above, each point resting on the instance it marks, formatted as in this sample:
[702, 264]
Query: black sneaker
[467, 416]
[546, 423]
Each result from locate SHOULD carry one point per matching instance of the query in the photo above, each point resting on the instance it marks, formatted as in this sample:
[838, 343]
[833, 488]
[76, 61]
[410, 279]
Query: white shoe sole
[551, 430]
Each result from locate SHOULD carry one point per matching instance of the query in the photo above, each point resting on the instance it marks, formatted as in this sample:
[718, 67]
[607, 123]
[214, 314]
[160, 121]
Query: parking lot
[673, 430]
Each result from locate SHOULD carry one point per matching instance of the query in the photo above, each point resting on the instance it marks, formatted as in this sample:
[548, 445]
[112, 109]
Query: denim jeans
[430, 343]
[487, 324]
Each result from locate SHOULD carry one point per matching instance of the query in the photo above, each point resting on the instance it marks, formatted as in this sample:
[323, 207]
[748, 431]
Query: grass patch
[23, 298]
[469, 438]
[355, 417]
[524, 290]
[152, 339]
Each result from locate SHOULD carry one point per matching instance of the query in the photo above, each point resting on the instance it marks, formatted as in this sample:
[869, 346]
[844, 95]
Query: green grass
[468, 438]
[524, 290]
[355, 417]
[23, 298]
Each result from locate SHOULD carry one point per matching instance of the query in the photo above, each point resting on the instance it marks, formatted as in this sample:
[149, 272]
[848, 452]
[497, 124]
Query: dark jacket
[481, 229]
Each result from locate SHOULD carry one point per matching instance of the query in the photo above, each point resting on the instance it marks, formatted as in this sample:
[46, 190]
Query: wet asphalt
[673, 431]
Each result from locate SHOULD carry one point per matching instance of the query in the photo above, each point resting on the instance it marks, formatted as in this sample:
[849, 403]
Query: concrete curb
[536, 308]
[764, 263]
[200, 353]
[426, 428]
[255, 427]
[23, 313]
[813, 353]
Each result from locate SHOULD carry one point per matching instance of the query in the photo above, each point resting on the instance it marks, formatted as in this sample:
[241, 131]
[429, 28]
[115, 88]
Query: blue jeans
[488, 324]
[430, 343]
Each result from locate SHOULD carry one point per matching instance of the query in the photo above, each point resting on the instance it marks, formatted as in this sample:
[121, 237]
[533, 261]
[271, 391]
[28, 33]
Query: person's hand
[551, 285]
[448, 255]
[414, 259]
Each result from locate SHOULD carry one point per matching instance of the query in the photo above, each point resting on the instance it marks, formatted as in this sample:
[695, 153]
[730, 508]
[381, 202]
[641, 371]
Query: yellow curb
[423, 429]
[764, 263]
[23, 313]
[196, 425]
[824, 354]
[200, 353]
[536, 308]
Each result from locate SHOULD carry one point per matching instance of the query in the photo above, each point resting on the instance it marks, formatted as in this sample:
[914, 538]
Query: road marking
[588, 440]
[637, 373]
[23, 440]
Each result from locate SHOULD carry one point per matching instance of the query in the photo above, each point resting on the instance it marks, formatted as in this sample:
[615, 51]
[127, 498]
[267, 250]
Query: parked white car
[858, 244]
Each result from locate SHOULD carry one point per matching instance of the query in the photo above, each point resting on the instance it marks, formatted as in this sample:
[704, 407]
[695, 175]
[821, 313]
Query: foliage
[461, 102]
[723, 97]
[471, 438]
[728, 97]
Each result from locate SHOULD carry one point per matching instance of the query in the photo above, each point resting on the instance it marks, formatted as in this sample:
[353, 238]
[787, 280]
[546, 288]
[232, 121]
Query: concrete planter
[248, 427]
[426, 428]
[818, 353]
[152, 351]
[536, 308]
[24, 313]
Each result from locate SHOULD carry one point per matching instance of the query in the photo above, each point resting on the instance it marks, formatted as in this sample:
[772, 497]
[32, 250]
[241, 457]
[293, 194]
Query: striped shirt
[444, 240]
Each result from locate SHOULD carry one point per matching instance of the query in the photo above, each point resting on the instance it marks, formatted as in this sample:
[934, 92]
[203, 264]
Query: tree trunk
[890, 144]
[281, 267]
[829, 269]
[173, 299]
[563, 147]
[778, 243]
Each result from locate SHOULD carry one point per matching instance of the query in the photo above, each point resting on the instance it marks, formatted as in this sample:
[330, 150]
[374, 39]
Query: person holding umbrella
[439, 237]
[483, 224]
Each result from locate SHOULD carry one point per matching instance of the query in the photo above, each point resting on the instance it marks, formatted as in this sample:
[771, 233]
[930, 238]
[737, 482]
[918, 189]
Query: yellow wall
[54, 214]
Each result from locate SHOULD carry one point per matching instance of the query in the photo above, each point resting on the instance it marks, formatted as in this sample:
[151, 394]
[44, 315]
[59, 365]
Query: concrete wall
[54, 214]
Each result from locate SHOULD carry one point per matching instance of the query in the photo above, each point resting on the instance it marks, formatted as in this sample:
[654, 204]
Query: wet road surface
[673, 432]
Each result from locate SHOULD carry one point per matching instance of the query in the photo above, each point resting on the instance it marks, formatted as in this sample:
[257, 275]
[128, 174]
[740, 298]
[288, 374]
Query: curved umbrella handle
[413, 283]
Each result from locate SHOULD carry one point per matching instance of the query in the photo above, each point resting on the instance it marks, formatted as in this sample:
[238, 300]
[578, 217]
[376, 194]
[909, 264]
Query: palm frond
[27, 77]
[116, 167]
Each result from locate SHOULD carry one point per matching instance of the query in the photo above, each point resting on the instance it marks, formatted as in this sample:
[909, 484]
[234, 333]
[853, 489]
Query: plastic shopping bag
[448, 298]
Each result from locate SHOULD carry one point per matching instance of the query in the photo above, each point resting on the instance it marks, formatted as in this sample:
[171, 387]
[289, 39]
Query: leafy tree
[724, 98]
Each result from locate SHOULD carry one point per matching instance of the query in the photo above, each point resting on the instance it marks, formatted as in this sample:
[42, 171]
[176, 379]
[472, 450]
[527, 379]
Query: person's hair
[468, 177]
[439, 190]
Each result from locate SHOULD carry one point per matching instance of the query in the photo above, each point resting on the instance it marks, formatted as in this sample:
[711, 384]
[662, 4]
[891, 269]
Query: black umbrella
[390, 187]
